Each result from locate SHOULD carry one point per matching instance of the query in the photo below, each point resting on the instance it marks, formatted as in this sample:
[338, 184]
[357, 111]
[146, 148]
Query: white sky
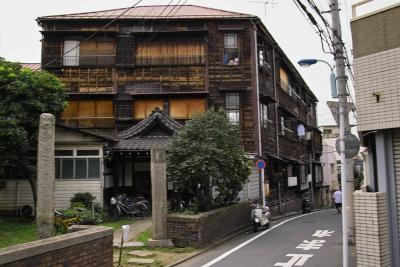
[20, 36]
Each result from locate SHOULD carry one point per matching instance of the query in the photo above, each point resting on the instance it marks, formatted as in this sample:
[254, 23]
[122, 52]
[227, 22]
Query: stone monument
[45, 177]
[159, 199]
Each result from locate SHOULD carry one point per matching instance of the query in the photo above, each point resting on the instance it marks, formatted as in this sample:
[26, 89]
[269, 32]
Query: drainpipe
[276, 123]
[258, 110]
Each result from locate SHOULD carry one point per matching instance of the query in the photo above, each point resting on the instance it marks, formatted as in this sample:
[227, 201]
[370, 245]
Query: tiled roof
[136, 138]
[142, 143]
[156, 117]
[152, 12]
[32, 66]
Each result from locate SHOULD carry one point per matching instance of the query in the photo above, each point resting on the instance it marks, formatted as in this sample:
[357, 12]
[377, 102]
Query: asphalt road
[289, 242]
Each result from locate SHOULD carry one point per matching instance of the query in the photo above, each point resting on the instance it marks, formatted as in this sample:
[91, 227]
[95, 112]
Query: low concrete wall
[89, 247]
[293, 205]
[371, 220]
[201, 229]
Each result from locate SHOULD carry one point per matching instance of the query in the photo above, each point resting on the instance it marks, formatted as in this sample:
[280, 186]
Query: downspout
[255, 65]
[276, 124]
[276, 102]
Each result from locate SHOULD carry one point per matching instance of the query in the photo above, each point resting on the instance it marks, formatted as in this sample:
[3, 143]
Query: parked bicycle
[62, 221]
[131, 206]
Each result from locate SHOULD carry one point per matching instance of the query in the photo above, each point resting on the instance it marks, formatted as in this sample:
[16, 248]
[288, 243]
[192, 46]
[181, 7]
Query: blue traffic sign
[260, 164]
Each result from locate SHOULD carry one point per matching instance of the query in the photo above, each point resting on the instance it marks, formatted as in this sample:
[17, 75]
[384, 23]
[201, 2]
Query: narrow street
[312, 240]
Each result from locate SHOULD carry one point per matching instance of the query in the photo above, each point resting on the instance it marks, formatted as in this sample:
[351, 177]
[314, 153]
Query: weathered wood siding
[224, 78]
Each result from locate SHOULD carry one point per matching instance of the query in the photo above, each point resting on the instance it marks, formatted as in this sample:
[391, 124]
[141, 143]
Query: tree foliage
[24, 95]
[207, 155]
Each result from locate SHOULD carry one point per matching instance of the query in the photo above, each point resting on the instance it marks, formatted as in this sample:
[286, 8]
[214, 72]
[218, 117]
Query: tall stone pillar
[45, 176]
[159, 198]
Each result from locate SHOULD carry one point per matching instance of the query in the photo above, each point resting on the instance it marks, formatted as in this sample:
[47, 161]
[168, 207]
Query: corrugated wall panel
[64, 190]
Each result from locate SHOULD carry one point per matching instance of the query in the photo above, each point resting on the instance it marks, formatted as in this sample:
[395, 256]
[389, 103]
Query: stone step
[128, 244]
[141, 253]
[138, 261]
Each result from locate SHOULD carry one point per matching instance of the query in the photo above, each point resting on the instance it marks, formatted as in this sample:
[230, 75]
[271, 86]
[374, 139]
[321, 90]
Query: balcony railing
[169, 60]
[89, 60]
[89, 122]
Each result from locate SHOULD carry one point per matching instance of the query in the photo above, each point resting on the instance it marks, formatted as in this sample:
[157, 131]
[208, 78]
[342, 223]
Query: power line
[96, 32]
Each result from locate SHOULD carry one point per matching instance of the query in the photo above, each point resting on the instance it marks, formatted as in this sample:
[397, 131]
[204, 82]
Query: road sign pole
[262, 187]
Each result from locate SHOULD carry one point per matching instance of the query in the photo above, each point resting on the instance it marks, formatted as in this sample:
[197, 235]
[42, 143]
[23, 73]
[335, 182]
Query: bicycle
[134, 207]
[62, 221]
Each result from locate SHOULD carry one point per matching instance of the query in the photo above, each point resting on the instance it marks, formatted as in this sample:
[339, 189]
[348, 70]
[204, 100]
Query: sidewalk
[135, 229]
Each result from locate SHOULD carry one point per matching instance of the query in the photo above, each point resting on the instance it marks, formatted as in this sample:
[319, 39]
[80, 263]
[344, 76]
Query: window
[77, 164]
[71, 53]
[89, 114]
[318, 174]
[264, 115]
[170, 52]
[232, 107]
[231, 49]
[284, 80]
[88, 53]
[332, 168]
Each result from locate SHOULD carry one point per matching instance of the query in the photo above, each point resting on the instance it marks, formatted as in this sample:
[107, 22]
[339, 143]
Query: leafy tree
[207, 154]
[24, 95]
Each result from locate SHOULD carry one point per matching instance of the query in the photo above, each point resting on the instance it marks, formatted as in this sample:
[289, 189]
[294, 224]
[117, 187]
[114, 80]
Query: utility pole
[347, 182]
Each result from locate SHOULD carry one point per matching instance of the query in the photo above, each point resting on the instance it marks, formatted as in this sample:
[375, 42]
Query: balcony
[291, 148]
[146, 80]
[89, 122]
[170, 60]
[89, 60]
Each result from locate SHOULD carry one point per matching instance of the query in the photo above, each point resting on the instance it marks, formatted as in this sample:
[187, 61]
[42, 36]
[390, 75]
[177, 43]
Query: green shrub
[86, 199]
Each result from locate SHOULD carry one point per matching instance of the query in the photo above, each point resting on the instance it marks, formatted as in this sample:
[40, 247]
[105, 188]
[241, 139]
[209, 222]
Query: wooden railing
[170, 60]
[293, 148]
[89, 122]
[89, 60]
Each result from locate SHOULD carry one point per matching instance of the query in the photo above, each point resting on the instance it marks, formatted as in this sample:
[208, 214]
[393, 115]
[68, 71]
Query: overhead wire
[96, 32]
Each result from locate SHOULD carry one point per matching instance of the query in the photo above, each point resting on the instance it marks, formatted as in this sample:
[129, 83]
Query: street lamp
[308, 62]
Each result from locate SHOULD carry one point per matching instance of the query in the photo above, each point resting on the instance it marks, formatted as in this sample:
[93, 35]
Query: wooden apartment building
[135, 76]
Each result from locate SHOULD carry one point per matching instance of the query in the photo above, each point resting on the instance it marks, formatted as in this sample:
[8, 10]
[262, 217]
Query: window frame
[235, 109]
[236, 48]
[264, 111]
[74, 157]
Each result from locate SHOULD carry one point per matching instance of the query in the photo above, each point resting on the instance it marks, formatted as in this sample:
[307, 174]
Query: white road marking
[296, 260]
[229, 252]
[313, 244]
[323, 233]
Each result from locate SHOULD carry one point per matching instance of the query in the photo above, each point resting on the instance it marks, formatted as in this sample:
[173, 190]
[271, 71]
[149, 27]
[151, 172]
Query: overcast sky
[20, 36]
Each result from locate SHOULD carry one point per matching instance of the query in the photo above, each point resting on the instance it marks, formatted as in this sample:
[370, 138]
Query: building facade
[376, 41]
[138, 79]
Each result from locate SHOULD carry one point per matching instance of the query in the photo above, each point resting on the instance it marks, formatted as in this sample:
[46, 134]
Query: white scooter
[260, 216]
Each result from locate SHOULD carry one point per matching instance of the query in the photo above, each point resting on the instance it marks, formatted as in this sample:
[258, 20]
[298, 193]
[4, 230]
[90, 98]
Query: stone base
[161, 243]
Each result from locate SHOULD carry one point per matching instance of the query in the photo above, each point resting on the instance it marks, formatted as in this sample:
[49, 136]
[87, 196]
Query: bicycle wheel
[114, 212]
[141, 210]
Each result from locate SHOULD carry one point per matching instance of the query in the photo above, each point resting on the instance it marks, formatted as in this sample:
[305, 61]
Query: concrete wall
[378, 74]
[204, 228]
[376, 32]
[371, 221]
[90, 248]
[376, 42]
